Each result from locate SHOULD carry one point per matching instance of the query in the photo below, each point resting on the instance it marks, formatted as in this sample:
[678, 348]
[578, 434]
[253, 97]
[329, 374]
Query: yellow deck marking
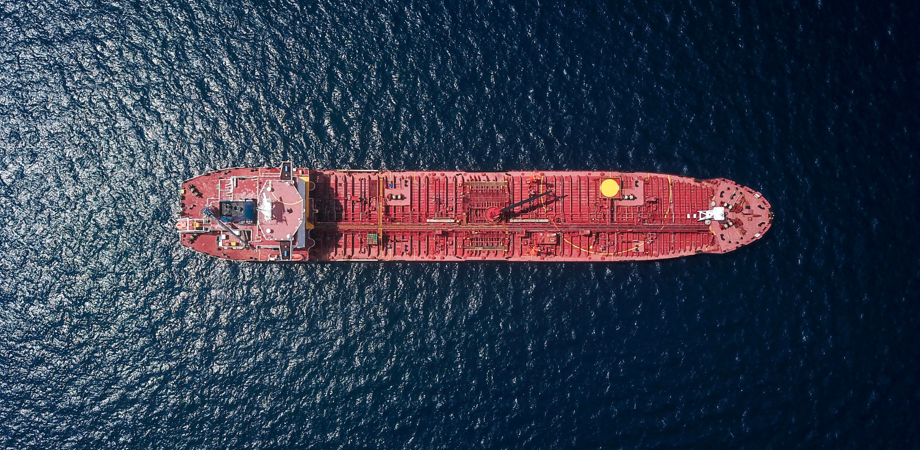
[610, 188]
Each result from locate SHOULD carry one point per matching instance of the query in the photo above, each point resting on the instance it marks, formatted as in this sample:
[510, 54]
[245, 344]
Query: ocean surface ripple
[114, 336]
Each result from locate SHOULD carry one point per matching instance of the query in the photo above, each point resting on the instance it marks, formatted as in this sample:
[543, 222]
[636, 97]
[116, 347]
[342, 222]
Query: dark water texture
[113, 336]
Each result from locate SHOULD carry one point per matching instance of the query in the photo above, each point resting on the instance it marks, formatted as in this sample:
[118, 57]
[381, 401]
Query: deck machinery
[293, 214]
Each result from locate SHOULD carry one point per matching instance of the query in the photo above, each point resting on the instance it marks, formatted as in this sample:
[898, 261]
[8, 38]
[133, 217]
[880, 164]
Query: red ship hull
[289, 214]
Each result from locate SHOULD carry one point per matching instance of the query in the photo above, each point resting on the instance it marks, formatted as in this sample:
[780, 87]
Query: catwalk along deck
[291, 214]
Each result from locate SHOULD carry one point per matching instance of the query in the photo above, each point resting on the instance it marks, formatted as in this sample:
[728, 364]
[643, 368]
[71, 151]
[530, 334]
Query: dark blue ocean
[112, 335]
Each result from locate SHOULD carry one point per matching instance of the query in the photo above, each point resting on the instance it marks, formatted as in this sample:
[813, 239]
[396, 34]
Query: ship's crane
[496, 214]
[209, 213]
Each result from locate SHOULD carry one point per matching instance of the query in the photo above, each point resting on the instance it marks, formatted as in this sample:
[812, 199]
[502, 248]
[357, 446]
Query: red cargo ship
[291, 214]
